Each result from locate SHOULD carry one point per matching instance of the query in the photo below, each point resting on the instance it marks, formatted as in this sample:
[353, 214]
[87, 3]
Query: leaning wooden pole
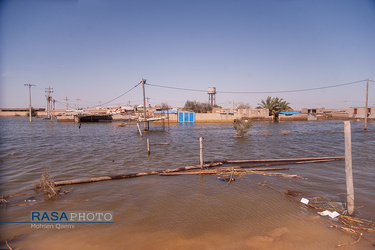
[348, 168]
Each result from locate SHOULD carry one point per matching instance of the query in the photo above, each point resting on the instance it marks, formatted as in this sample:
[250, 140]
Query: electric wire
[260, 92]
[121, 94]
[168, 87]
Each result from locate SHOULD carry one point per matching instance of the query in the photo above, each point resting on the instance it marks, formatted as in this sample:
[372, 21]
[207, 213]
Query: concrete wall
[212, 117]
[295, 117]
[255, 114]
[361, 113]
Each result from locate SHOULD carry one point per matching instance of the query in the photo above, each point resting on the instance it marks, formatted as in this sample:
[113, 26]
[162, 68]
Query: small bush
[242, 126]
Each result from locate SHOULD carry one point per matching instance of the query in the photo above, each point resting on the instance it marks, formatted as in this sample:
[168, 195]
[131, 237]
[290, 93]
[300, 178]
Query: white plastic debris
[330, 214]
[305, 201]
[334, 214]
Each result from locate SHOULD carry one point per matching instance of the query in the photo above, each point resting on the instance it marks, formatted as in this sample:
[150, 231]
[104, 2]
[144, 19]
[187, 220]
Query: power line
[122, 94]
[168, 87]
[260, 92]
[291, 91]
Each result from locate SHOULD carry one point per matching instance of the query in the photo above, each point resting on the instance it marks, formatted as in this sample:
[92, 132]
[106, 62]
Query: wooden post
[139, 129]
[201, 151]
[168, 117]
[366, 111]
[348, 168]
[148, 147]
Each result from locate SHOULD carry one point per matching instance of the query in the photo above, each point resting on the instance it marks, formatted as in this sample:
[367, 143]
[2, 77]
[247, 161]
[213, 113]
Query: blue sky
[96, 50]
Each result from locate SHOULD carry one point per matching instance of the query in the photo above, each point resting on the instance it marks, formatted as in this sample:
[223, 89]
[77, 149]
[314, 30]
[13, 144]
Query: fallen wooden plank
[282, 160]
[219, 171]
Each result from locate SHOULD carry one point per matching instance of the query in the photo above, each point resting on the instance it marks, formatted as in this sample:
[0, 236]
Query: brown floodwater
[187, 211]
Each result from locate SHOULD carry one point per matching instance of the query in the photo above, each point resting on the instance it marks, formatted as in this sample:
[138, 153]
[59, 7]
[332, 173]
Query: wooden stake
[201, 151]
[348, 168]
[148, 147]
[139, 129]
[366, 111]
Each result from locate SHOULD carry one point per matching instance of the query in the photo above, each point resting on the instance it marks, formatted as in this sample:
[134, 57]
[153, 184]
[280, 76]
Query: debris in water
[305, 201]
[226, 179]
[30, 199]
[330, 214]
[293, 192]
[47, 185]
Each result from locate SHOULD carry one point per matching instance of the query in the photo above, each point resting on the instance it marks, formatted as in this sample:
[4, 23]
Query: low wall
[295, 117]
[215, 118]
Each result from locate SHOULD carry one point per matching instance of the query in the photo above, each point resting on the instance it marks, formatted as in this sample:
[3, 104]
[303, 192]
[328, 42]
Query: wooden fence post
[148, 147]
[139, 129]
[348, 168]
[201, 151]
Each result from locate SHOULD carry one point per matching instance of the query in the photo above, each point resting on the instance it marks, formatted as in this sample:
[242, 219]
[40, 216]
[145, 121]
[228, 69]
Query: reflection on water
[183, 212]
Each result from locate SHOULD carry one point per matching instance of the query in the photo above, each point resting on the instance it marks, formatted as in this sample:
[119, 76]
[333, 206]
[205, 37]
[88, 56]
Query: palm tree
[284, 106]
[274, 105]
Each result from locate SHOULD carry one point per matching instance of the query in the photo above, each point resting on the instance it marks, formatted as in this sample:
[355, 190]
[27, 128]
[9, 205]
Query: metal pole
[348, 168]
[366, 111]
[144, 104]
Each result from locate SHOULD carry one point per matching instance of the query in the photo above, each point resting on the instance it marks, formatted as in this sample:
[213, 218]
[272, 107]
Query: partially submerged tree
[33, 112]
[274, 105]
[242, 126]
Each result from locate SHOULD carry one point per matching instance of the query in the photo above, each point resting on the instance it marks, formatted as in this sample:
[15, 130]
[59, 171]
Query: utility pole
[66, 100]
[366, 111]
[49, 90]
[30, 85]
[54, 105]
[144, 104]
[78, 103]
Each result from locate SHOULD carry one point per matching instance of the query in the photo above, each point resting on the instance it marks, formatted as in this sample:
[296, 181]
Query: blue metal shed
[184, 116]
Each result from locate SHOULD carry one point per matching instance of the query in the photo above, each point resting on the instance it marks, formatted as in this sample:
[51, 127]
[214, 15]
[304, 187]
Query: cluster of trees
[197, 107]
[274, 105]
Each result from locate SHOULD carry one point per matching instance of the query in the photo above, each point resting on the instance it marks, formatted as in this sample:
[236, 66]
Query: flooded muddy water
[186, 211]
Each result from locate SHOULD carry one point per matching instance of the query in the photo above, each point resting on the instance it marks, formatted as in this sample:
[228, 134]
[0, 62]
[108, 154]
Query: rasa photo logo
[71, 217]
